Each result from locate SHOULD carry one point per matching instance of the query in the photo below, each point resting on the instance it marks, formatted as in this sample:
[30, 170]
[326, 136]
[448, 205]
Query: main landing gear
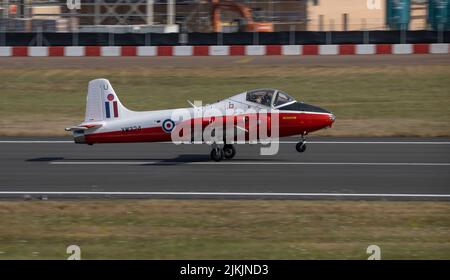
[227, 152]
[301, 146]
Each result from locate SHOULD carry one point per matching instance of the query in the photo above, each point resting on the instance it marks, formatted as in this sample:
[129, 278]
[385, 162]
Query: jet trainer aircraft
[108, 121]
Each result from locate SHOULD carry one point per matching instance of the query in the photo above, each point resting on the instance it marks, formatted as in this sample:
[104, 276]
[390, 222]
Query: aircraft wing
[241, 128]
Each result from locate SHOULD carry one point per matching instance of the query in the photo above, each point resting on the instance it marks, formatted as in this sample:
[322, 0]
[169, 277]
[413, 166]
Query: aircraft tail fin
[103, 104]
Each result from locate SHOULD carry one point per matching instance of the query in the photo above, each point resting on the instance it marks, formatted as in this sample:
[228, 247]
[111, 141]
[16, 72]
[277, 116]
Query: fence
[189, 15]
[240, 38]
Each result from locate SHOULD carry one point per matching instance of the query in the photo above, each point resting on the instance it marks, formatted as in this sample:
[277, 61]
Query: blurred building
[215, 15]
[32, 15]
[351, 15]
[195, 15]
[166, 15]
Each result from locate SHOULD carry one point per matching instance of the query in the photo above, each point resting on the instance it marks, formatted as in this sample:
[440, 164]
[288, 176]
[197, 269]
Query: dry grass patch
[248, 229]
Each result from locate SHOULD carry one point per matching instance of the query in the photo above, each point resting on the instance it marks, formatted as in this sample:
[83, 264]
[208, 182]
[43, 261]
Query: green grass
[167, 229]
[367, 100]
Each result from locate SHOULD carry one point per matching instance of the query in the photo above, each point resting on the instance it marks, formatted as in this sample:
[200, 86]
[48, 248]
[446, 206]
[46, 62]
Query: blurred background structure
[166, 16]
[222, 22]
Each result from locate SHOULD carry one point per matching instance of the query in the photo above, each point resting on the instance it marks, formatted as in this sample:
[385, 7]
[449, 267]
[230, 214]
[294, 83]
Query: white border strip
[281, 142]
[146, 51]
[244, 163]
[5, 51]
[38, 51]
[280, 194]
[74, 51]
[255, 50]
[250, 50]
[369, 142]
[365, 49]
[218, 50]
[183, 51]
[439, 48]
[402, 49]
[110, 51]
[328, 49]
[291, 50]
[35, 142]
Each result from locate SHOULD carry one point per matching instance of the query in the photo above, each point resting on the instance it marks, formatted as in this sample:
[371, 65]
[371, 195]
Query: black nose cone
[300, 106]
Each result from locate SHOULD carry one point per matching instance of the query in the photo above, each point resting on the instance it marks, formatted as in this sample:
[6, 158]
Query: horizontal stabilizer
[83, 127]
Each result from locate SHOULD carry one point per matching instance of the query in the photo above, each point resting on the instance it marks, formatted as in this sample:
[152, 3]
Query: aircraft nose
[331, 119]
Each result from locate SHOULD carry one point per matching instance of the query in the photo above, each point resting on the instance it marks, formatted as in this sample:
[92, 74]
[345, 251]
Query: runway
[331, 168]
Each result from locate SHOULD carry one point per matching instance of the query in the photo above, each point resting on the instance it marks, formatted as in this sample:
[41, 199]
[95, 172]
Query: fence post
[345, 22]
[440, 33]
[402, 34]
[366, 39]
[39, 36]
[219, 38]
[3, 36]
[170, 12]
[255, 38]
[148, 39]
[183, 38]
[97, 19]
[320, 22]
[110, 37]
[149, 6]
[75, 38]
[292, 35]
[329, 35]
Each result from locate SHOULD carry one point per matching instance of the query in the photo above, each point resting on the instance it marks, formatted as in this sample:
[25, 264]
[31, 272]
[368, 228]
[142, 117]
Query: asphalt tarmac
[331, 168]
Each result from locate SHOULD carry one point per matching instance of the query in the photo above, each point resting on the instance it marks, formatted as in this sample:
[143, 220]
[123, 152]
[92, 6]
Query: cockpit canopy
[269, 97]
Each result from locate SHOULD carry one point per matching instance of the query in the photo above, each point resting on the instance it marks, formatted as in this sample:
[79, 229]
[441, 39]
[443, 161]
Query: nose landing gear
[228, 152]
[301, 146]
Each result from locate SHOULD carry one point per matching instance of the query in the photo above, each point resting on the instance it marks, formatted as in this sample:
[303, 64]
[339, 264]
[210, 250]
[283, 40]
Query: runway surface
[338, 168]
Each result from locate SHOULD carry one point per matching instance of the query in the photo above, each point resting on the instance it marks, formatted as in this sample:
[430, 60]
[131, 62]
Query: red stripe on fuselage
[150, 134]
[294, 123]
[116, 110]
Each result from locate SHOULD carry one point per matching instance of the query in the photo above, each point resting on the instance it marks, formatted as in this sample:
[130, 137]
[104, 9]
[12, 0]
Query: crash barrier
[232, 50]
[210, 39]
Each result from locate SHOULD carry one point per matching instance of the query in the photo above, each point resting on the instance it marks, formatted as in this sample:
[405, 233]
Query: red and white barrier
[250, 50]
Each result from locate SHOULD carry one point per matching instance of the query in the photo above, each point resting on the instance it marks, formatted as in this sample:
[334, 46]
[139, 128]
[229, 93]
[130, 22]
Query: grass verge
[224, 229]
[367, 100]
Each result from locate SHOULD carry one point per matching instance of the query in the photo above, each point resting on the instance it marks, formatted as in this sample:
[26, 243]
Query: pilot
[266, 99]
[259, 99]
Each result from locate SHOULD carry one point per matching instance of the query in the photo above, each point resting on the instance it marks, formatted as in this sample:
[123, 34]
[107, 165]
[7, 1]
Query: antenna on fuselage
[192, 104]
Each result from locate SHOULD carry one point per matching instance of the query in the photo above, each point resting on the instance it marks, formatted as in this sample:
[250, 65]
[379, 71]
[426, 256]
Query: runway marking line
[279, 194]
[371, 142]
[35, 142]
[281, 142]
[242, 163]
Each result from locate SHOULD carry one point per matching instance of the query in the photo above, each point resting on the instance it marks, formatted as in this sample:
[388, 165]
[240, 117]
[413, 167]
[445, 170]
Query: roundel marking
[168, 125]
[110, 97]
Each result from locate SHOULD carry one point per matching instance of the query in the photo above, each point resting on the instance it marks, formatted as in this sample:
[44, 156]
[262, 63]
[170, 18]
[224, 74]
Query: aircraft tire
[300, 147]
[229, 151]
[217, 154]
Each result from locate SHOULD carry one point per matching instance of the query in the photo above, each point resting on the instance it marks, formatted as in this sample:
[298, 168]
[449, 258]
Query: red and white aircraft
[108, 121]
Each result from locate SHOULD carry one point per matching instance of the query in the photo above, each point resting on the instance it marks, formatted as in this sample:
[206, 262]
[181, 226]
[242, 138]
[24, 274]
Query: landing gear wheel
[300, 147]
[217, 154]
[229, 151]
